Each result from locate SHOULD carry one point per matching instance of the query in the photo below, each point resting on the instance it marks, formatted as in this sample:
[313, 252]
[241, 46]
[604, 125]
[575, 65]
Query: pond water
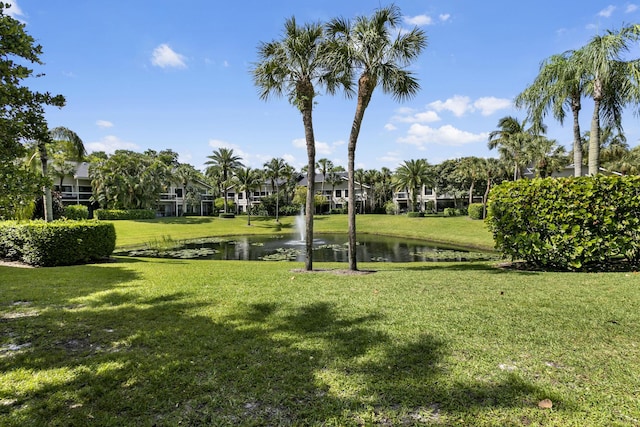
[327, 248]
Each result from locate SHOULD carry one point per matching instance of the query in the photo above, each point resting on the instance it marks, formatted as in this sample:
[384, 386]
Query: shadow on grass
[109, 356]
[470, 266]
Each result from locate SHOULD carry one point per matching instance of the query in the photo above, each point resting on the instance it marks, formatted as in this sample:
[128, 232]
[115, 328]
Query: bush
[78, 212]
[430, 206]
[390, 208]
[568, 223]
[57, 243]
[476, 211]
[415, 214]
[117, 214]
[227, 215]
[450, 211]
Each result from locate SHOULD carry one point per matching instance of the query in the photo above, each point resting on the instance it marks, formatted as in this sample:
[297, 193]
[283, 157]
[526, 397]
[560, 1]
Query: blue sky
[158, 74]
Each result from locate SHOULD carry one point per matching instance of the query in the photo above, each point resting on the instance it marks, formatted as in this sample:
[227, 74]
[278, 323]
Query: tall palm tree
[470, 169]
[247, 180]
[493, 169]
[227, 162]
[71, 144]
[294, 66]
[612, 82]
[412, 175]
[376, 52]
[512, 140]
[324, 166]
[559, 86]
[275, 170]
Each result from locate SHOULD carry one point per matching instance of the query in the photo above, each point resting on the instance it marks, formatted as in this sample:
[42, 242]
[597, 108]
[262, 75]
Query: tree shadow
[124, 358]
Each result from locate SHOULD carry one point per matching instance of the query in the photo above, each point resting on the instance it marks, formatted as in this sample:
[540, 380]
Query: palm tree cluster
[599, 71]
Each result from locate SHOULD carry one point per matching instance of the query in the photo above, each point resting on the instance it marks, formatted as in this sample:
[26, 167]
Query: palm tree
[333, 178]
[71, 144]
[377, 51]
[294, 66]
[227, 162]
[512, 140]
[547, 156]
[470, 169]
[275, 170]
[559, 86]
[247, 180]
[412, 175]
[611, 81]
[324, 166]
[492, 170]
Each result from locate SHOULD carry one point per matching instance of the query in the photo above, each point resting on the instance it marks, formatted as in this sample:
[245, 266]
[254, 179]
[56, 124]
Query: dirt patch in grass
[7, 263]
[336, 272]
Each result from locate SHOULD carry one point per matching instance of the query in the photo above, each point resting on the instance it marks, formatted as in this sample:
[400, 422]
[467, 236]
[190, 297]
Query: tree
[21, 109]
[470, 169]
[333, 178]
[128, 180]
[295, 65]
[559, 86]
[187, 175]
[547, 156]
[612, 82]
[227, 162]
[275, 171]
[247, 180]
[512, 140]
[378, 52]
[412, 175]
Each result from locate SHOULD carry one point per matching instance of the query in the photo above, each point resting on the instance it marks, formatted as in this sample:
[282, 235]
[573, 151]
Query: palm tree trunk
[247, 197]
[48, 200]
[307, 119]
[594, 139]
[365, 89]
[577, 142]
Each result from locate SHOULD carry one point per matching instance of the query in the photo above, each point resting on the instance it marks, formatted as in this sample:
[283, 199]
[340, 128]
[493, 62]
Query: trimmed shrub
[415, 214]
[568, 223]
[450, 211]
[227, 215]
[390, 208]
[116, 214]
[77, 212]
[476, 211]
[57, 243]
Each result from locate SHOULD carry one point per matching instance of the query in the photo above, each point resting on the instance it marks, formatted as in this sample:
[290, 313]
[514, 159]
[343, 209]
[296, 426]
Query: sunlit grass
[177, 342]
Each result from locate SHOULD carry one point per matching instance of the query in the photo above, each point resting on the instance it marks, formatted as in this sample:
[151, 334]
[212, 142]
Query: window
[178, 192]
[346, 193]
[338, 193]
[231, 195]
[240, 196]
[428, 191]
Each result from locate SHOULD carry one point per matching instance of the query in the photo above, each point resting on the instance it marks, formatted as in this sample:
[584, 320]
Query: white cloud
[322, 148]
[418, 20]
[428, 116]
[607, 12]
[490, 104]
[110, 143]
[421, 135]
[458, 105]
[225, 64]
[218, 143]
[14, 11]
[631, 8]
[390, 127]
[104, 124]
[444, 17]
[163, 56]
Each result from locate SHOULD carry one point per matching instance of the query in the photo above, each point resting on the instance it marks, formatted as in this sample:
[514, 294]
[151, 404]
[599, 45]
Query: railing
[75, 195]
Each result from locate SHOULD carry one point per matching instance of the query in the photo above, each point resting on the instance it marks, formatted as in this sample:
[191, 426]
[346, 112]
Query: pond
[327, 248]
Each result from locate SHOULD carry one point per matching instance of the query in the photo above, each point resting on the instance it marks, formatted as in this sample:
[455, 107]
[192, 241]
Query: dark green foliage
[115, 214]
[450, 212]
[227, 215]
[57, 207]
[78, 212]
[57, 243]
[570, 223]
[476, 211]
[415, 214]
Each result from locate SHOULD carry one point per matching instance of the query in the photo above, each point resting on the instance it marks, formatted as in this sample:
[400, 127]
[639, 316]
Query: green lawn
[142, 342]
[450, 230]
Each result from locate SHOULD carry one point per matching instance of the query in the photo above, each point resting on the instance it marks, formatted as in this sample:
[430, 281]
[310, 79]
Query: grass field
[141, 342]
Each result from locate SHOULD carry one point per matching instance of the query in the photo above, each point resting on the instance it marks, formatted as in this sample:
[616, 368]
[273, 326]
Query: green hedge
[450, 212]
[78, 212]
[415, 214]
[568, 223]
[476, 211]
[116, 214]
[56, 243]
